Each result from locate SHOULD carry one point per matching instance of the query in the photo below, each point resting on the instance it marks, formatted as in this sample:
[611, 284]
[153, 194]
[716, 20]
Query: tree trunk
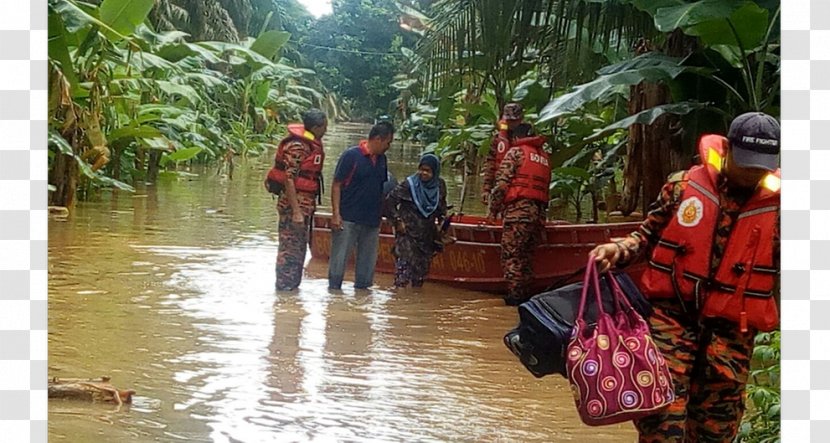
[153, 166]
[116, 162]
[64, 176]
[594, 207]
[140, 159]
[656, 150]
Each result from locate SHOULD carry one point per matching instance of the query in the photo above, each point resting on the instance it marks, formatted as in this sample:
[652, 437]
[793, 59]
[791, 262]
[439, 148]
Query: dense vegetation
[622, 88]
[356, 51]
[137, 86]
[592, 74]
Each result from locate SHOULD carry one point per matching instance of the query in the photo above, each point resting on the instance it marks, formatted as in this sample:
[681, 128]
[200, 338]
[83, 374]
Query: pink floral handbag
[616, 371]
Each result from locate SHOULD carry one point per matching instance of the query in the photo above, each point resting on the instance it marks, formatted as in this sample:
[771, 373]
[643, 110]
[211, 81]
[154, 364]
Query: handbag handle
[617, 292]
[591, 276]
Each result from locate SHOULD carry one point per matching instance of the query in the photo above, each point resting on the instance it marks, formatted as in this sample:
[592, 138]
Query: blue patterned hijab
[426, 194]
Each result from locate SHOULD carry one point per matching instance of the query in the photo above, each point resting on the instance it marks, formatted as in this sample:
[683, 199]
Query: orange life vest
[532, 179]
[309, 176]
[501, 143]
[741, 288]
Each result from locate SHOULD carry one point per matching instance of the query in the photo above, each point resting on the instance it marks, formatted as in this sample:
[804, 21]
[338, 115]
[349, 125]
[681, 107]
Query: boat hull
[473, 261]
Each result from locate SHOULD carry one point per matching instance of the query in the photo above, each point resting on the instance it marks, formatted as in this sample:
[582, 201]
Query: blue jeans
[343, 243]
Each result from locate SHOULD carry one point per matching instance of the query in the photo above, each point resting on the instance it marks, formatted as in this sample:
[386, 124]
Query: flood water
[170, 291]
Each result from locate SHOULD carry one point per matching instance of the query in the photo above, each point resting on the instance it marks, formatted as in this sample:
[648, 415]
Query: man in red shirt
[356, 202]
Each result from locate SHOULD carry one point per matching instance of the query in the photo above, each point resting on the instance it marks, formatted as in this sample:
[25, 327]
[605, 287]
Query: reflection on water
[170, 292]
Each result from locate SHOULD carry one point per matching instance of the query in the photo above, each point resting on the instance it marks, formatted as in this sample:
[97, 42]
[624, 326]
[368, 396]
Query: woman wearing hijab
[416, 206]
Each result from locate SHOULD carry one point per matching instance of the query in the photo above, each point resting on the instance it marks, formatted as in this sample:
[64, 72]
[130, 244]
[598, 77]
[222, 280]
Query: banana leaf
[124, 15]
[269, 43]
[56, 140]
[180, 155]
[59, 48]
[647, 117]
[615, 80]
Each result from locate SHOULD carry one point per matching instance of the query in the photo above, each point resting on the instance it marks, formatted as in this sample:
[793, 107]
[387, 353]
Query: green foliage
[586, 167]
[645, 117]
[124, 15]
[745, 35]
[534, 51]
[493, 43]
[268, 43]
[614, 80]
[120, 91]
[356, 52]
[762, 422]
[63, 147]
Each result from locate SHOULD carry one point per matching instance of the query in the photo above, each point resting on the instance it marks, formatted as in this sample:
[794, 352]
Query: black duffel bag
[546, 321]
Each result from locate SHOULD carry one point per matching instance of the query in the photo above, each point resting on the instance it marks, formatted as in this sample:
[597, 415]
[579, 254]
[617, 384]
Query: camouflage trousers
[293, 241]
[412, 270]
[709, 363]
[413, 257]
[517, 243]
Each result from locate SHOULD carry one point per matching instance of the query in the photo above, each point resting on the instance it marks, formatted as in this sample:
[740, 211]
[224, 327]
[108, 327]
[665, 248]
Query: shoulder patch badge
[690, 212]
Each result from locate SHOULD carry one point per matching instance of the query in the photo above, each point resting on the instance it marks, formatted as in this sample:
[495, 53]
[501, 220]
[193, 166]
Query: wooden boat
[473, 262]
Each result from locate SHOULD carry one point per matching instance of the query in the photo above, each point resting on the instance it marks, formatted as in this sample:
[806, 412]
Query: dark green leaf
[55, 139]
[668, 19]
[647, 117]
[614, 80]
[113, 182]
[750, 26]
[59, 48]
[572, 172]
[177, 51]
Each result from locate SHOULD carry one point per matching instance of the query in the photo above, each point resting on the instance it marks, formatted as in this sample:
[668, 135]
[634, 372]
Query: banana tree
[84, 45]
[733, 69]
[147, 100]
[491, 44]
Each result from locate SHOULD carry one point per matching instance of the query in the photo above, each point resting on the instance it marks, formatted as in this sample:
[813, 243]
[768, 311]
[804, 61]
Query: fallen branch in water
[97, 390]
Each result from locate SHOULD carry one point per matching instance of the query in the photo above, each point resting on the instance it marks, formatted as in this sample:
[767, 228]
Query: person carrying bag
[615, 370]
[546, 321]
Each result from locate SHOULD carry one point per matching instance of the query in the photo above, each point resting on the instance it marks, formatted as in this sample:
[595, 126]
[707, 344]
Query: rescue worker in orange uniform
[521, 196]
[298, 166]
[712, 238]
[511, 119]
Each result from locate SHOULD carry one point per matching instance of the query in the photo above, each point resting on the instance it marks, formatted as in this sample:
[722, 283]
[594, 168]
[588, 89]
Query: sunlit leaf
[159, 143]
[183, 154]
[124, 15]
[76, 18]
[184, 91]
[133, 132]
[268, 44]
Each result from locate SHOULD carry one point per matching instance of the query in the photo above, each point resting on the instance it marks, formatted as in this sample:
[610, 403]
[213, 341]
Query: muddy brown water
[170, 292]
